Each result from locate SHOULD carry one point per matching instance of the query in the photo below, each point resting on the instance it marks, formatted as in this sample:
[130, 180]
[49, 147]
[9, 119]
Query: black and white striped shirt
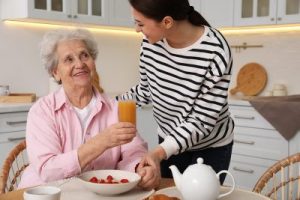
[188, 88]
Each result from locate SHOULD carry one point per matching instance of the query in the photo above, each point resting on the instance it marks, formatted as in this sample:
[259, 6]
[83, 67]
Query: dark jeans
[218, 158]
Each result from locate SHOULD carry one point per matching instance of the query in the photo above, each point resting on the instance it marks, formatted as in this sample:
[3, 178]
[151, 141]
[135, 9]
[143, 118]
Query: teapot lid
[200, 160]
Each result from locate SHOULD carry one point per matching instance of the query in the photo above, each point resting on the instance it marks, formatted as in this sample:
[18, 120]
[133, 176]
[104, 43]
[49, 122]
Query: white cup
[42, 193]
[4, 90]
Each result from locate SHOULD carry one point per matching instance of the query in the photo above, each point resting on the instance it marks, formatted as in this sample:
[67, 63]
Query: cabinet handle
[16, 123]
[250, 171]
[244, 117]
[15, 139]
[244, 142]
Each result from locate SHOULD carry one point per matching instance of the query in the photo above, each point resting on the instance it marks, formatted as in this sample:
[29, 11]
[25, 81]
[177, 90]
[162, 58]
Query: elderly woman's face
[75, 64]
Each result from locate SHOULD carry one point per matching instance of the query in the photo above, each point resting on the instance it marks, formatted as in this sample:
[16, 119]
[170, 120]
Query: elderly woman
[76, 128]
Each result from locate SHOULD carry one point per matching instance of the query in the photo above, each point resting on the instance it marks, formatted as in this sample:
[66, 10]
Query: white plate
[170, 191]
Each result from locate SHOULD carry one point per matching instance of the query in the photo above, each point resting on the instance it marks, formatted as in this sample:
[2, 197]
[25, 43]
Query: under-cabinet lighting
[261, 29]
[131, 31]
[100, 29]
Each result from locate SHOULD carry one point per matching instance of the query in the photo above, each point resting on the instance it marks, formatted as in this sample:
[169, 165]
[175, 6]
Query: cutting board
[251, 80]
[18, 98]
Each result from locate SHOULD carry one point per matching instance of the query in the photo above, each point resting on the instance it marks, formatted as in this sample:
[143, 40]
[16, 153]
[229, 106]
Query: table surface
[165, 183]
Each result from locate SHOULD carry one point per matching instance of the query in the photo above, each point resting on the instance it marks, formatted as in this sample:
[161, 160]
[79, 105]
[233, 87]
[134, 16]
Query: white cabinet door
[196, 4]
[120, 13]
[147, 127]
[217, 13]
[254, 12]
[288, 11]
[49, 9]
[294, 144]
[91, 11]
[75, 11]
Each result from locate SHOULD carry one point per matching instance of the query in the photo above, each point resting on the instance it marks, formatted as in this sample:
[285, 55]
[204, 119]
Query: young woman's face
[75, 64]
[154, 31]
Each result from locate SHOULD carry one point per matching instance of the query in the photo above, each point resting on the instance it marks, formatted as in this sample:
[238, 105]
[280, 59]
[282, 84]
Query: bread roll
[162, 197]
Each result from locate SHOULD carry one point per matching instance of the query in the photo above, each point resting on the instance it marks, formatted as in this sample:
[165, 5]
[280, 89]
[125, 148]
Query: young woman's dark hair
[177, 9]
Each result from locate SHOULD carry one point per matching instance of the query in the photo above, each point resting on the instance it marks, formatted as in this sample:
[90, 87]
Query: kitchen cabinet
[120, 13]
[93, 12]
[13, 119]
[217, 13]
[294, 144]
[147, 126]
[257, 145]
[266, 12]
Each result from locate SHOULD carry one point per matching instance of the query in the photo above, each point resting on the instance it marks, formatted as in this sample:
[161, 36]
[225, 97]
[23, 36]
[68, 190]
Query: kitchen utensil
[199, 181]
[4, 90]
[251, 80]
[279, 92]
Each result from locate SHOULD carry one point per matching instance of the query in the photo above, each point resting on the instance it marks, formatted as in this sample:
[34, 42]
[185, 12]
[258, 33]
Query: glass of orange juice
[127, 110]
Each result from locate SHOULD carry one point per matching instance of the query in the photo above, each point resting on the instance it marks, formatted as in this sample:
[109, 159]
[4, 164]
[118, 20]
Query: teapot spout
[177, 176]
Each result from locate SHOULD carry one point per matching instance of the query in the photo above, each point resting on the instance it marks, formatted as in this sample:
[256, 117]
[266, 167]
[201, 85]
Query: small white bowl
[42, 193]
[279, 93]
[106, 189]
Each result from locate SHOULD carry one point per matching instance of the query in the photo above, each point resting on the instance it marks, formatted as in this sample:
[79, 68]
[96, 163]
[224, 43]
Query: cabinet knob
[15, 139]
[13, 123]
[244, 142]
[75, 16]
[272, 19]
[69, 16]
[250, 171]
[279, 18]
[244, 117]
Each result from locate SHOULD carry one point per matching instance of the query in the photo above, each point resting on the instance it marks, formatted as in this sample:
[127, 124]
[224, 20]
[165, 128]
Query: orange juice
[127, 111]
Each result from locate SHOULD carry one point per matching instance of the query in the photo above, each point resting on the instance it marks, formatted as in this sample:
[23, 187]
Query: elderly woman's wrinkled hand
[117, 134]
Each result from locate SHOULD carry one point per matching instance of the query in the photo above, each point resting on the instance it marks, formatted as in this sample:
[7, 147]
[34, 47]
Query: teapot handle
[233, 183]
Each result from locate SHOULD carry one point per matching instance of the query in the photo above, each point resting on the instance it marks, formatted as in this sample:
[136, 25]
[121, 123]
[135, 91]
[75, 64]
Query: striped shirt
[188, 88]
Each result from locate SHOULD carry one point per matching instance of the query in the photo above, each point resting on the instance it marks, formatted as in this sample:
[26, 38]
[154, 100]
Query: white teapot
[199, 181]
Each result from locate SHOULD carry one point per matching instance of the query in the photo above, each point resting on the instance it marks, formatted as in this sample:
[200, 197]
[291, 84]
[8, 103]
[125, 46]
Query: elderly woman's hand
[149, 170]
[117, 134]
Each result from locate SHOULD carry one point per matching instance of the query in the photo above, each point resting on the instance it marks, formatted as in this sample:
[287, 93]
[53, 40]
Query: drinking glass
[127, 109]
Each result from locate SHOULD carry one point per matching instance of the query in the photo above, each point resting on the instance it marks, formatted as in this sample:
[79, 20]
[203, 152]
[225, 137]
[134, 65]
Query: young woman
[185, 70]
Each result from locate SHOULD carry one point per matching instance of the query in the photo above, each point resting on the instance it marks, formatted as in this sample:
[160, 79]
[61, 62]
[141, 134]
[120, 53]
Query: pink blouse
[54, 133]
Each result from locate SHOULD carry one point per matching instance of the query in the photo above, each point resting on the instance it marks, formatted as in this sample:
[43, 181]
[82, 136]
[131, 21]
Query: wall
[118, 59]
[280, 56]
[21, 68]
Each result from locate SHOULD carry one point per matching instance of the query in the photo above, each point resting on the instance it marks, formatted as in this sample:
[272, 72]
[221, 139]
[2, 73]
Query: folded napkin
[282, 112]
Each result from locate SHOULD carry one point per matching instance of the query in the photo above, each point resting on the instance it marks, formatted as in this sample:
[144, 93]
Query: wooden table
[18, 194]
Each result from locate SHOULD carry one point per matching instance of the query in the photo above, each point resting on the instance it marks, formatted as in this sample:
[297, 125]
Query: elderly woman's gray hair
[51, 39]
